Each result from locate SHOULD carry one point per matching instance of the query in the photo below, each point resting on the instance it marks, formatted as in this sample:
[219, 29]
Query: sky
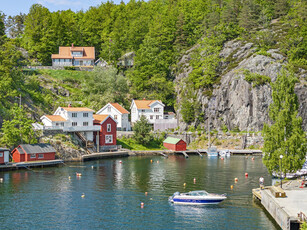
[14, 7]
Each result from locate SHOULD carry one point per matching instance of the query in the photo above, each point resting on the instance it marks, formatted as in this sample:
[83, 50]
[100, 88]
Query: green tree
[281, 8]
[15, 25]
[2, 27]
[104, 86]
[142, 130]
[285, 136]
[248, 18]
[18, 130]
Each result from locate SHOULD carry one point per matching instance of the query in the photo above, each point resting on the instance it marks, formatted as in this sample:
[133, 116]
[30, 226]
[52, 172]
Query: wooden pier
[30, 164]
[102, 155]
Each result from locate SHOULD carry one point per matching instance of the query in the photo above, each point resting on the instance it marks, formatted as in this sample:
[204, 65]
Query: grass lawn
[129, 143]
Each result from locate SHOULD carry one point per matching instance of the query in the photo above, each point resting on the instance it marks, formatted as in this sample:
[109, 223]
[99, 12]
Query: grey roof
[38, 148]
[4, 149]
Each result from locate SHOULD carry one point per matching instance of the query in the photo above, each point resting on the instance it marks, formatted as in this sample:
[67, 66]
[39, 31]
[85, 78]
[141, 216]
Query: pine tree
[142, 131]
[248, 17]
[285, 136]
[281, 8]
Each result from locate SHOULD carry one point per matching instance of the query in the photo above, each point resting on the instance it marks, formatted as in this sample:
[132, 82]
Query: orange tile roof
[99, 118]
[119, 108]
[144, 104]
[55, 118]
[65, 52]
[77, 109]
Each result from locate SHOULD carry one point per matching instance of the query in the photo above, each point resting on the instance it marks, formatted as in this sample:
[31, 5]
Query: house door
[81, 62]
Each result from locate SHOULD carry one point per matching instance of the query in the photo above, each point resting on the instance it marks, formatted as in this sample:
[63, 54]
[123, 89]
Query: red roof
[99, 118]
[65, 52]
[144, 104]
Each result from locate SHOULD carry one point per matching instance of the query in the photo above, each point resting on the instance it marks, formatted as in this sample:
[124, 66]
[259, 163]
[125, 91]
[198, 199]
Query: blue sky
[13, 7]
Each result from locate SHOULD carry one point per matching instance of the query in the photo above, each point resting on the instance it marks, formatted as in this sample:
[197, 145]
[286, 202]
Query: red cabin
[33, 152]
[107, 133]
[175, 144]
[4, 155]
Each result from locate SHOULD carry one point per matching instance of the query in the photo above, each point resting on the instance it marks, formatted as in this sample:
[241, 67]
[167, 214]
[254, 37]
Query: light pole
[281, 156]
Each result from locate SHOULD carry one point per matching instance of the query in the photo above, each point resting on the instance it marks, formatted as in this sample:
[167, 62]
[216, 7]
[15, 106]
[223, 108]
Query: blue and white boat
[197, 198]
[212, 152]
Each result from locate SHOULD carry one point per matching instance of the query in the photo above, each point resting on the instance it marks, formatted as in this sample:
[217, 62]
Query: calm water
[47, 199]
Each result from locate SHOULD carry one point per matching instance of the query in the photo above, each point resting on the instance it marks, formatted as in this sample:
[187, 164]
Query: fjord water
[114, 189]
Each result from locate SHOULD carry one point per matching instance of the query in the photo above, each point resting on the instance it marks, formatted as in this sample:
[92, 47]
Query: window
[40, 156]
[108, 127]
[133, 110]
[1, 154]
[156, 110]
[33, 155]
[109, 108]
[115, 117]
[74, 114]
[74, 123]
[57, 124]
[157, 117]
[62, 123]
[143, 110]
[109, 139]
[85, 123]
[85, 114]
[151, 117]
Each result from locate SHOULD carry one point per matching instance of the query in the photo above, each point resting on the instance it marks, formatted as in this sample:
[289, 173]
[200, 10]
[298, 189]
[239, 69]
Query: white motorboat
[224, 153]
[212, 152]
[197, 198]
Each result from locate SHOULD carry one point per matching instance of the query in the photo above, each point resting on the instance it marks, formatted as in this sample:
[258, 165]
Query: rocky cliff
[235, 102]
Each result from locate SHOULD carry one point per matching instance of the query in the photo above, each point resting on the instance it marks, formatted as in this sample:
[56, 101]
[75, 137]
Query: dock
[288, 210]
[102, 155]
[30, 164]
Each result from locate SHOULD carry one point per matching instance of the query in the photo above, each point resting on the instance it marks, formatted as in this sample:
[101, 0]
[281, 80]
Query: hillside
[187, 54]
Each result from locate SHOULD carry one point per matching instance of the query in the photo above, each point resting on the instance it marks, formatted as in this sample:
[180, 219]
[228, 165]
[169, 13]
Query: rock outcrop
[235, 101]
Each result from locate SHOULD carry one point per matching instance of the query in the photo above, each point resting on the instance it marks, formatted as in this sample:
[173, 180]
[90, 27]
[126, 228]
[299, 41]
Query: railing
[302, 217]
[82, 128]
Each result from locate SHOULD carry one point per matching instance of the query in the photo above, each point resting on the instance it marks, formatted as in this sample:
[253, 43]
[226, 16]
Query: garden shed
[175, 144]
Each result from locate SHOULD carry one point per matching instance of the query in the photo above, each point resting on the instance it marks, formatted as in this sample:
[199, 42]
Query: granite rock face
[235, 102]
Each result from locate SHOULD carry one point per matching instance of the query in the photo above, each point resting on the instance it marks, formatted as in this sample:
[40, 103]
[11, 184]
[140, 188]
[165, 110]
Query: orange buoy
[236, 179]
[146, 193]
[222, 158]
[150, 161]
[158, 162]
[194, 180]
[253, 158]
[78, 174]
[142, 205]
[184, 184]
[231, 187]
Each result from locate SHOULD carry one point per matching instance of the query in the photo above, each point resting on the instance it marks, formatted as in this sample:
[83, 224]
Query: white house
[73, 120]
[118, 113]
[152, 109]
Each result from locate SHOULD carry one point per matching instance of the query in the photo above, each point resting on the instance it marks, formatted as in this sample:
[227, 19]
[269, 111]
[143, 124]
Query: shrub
[255, 78]
[69, 68]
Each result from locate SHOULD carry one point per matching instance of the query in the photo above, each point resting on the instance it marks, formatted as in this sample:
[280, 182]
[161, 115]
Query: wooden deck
[102, 155]
[30, 164]
[257, 194]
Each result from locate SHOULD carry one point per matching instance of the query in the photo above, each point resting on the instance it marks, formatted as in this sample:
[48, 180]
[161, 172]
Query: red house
[107, 133]
[175, 144]
[4, 155]
[34, 152]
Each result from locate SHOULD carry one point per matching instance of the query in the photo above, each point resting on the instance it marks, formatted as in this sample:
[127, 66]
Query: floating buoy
[158, 162]
[142, 205]
[150, 161]
[69, 178]
[236, 179]
[253, 158]
[120, 162]
[92, 166]
[184, 184]
[246, 174]
[146, 193]
[1, 180]
[222, 158]
[246, 157]
[231, 187]
[78, 174]
[83, 195]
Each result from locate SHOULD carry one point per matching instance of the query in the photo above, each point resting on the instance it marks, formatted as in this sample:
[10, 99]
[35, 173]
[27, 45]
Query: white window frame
[74, 123]
[108, 127]
[85, 123]
[33, 155]
[157, 117]
[108, 139]
[109, 108]
[156, 110]
[115, 117]
[151, 117]
[74, 115]
[85, 114]
[41, 155]
[1, 154]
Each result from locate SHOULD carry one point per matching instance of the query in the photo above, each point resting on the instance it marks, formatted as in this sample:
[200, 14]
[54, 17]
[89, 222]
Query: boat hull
[196, 202]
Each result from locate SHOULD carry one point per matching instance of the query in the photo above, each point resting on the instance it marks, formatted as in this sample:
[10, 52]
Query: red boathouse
[175, 144]
[4, 155]
[33, 152]
[107, 133]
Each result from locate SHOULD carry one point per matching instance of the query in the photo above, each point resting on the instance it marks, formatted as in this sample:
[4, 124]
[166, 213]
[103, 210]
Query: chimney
[69, 105]
[72, 45]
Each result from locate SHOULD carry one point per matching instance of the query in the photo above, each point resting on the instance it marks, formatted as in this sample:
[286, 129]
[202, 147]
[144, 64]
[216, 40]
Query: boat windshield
[197, 193]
